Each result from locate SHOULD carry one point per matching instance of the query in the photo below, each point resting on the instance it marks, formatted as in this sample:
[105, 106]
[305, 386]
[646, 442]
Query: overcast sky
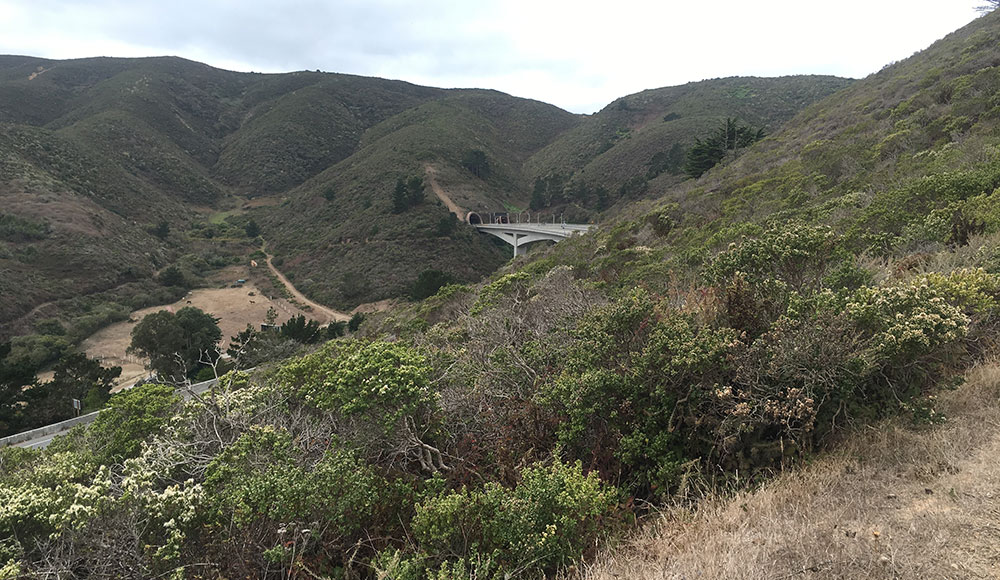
[579, 55]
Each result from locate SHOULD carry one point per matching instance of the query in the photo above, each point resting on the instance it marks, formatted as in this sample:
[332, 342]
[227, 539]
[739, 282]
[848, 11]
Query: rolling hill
[815, 291]
[98, 151]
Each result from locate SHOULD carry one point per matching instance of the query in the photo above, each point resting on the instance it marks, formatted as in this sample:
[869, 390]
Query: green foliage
[380, 381]
[475, 161]
[299, 329]
[355, 322]
[632, 382]
[177, 344]
[173, 276]
[408, 193]
[429, 282]
[447, 225]
[17, 229]
[251, 229]
[37, 350]
[131, 417]
[258, 480]
[670, 161]
[758, 274]
[161, 229]
[75, 377]
[336, 329]
[546, 521]
[706, 154]
[548, 191]
[512, 286]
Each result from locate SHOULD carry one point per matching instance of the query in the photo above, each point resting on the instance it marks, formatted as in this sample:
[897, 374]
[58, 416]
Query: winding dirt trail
[440, 193]
[330, 314]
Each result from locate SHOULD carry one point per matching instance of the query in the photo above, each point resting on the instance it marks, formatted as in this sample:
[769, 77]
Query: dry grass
[234, 307]
[897, 501]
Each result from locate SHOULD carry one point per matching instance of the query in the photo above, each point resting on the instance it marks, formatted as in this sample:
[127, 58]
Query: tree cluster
[177, 345]
[731, 136]
[475, 161]
[408, 193]
[26, 403]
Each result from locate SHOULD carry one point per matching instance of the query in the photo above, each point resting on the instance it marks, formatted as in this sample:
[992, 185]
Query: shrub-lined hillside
[168, 140]
[342, 235]
[844, 269]
[637, 145]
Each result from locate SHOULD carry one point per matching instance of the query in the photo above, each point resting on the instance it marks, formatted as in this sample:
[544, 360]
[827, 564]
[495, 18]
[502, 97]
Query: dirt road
[325, 314]
[440, 193]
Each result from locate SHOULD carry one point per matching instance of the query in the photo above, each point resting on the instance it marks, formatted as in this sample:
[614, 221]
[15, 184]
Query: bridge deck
[519, 235]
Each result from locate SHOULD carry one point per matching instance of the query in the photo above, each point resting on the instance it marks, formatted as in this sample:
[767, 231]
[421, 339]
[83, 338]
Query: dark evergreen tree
[475, 161]
[172, 276]
[706, 154]
[252, 229]
[415, 190]
[162, 230]
[300, 329]
[400, 198]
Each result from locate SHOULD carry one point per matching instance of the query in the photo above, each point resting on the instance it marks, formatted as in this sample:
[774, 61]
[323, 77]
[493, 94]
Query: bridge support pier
[519, 250]
[520, 235]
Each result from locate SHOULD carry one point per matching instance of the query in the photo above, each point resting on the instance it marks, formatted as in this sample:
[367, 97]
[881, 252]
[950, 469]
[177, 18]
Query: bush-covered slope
[166, 139]
[140, 141]
[842, 270]
[644, 137]
[339, 233]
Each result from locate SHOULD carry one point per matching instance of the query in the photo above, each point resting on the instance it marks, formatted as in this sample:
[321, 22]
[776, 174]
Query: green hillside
[168, 140]
[354, 248]
[843, 270]
[637, 144]
[136, 142]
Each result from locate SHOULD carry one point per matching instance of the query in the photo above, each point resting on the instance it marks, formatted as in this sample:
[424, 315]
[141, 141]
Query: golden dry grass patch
[896, 501]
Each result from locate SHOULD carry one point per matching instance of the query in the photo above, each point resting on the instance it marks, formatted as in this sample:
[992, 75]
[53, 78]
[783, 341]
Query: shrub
[383, 381]
[553, 514]
[130, 418]
[631, 387]
[429, 282]
[260, 485]
[758, 275]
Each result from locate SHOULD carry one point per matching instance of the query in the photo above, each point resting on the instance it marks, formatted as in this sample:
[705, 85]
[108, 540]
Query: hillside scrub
[831, 280]
[476, 448]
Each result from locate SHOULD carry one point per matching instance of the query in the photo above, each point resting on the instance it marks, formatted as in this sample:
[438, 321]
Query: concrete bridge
[520, 235]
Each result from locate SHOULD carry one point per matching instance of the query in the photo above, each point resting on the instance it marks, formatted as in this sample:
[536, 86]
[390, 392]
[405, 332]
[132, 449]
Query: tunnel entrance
[473, 218]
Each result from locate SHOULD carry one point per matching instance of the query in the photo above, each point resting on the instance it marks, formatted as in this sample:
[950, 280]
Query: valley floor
[234, 307]
[897, 502]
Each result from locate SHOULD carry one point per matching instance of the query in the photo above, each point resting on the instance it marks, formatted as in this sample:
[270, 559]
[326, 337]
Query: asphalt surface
[42, 441]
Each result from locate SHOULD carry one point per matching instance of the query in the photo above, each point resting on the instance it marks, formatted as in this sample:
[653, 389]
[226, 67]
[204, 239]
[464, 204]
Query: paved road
[40, 443]
[46, 434]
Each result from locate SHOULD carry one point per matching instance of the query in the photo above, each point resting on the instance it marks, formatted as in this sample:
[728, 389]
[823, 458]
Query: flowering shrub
[795, 254]
[758, 275]
[383, 382]
[547, 520]
[907, 321]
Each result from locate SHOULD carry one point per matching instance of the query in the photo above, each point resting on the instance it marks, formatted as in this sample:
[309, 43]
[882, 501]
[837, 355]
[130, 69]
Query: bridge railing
[54, 428]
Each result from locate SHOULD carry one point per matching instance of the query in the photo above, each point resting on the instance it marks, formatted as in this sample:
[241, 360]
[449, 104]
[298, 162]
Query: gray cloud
[578, 54]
